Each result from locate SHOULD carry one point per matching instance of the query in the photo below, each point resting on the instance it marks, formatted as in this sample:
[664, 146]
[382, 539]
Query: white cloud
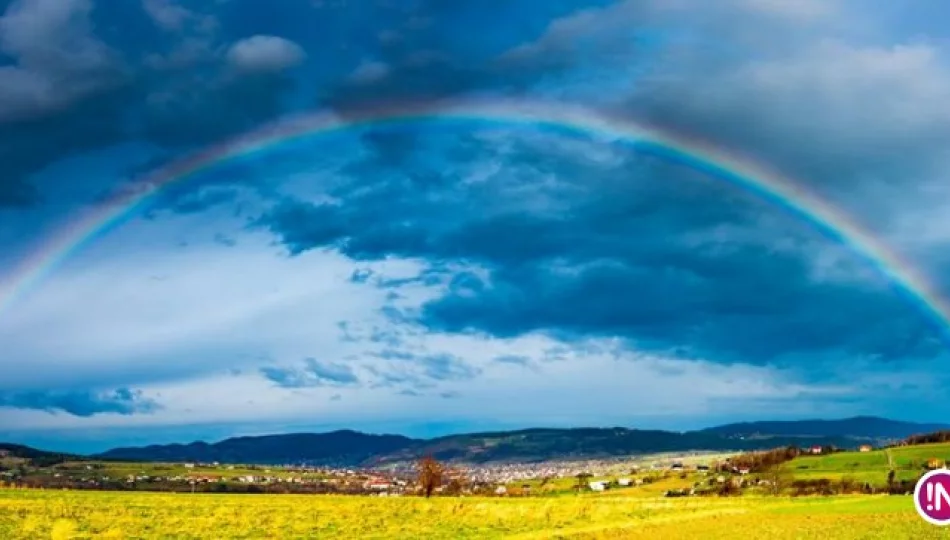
[192, 327]
[582, 389]
[265, 54]
[853, 102]
[167, 14]
[369, 71]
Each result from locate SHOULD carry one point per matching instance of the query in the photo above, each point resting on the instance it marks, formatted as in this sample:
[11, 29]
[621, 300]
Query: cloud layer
[426, 267]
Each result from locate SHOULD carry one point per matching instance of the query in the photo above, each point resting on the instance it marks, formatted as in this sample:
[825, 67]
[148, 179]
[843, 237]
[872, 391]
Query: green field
[30, 515]
[907, 462]
[629, 512]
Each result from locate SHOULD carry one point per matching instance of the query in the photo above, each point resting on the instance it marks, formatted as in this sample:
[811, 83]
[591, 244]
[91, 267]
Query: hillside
[12, 452]
[350, 448]
[336, 447]
[907, 462]
[541, 444]
[858, 428]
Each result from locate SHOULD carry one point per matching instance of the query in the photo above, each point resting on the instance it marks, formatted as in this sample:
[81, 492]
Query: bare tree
[582, 480]
[430, 475]
[778, 478]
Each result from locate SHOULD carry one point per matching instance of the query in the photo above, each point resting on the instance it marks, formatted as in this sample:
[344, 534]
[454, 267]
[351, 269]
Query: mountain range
[352, 448]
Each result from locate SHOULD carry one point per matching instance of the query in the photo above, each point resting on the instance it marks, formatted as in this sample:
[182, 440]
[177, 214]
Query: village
[394, 479]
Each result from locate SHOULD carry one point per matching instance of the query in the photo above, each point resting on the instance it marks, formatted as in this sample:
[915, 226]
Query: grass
[637, 512]
[869, 466]
[29, 514]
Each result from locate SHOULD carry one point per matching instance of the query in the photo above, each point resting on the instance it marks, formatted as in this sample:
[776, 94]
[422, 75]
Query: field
[869, 466]
[31, 514]
[559, 512]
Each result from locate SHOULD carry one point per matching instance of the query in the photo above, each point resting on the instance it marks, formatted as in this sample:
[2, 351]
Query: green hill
[907, 461]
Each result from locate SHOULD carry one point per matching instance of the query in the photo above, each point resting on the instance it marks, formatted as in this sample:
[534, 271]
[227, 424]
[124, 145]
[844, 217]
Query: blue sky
[431, 277]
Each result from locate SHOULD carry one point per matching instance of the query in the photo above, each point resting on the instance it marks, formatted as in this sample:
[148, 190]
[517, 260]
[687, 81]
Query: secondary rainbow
[754, 178]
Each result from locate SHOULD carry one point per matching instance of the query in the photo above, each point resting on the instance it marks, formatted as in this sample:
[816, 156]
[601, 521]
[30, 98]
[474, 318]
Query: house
[815, 449]
[934, 463]
[624, 482]
[743, 471]
[702, 467]
[864, 448]
[4, 453]
[676, 467]
[598, 486]
[501, 490]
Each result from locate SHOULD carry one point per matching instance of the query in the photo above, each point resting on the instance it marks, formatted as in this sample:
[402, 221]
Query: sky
[435, 274]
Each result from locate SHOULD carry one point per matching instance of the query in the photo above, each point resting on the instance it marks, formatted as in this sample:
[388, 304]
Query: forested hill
[354, 448]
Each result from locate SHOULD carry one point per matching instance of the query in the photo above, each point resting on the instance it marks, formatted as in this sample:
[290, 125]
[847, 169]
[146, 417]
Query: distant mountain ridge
[352, 448]
[858, 427]
[342, 446]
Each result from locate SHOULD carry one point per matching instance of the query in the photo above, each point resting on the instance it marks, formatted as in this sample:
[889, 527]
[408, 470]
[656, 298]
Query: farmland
[872, 466]
[31, 514]
[532, 508]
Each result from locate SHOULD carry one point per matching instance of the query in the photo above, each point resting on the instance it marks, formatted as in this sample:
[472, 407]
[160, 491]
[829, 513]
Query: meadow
[872, 466]
[554, 511]
[34, 514]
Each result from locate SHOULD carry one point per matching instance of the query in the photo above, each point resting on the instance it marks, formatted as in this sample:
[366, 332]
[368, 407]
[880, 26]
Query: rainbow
[753, 178]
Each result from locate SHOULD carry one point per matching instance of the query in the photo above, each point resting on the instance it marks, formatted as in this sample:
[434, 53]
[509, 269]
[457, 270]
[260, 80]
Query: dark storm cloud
[418, 55]
[650, 259]
[559, 241]
[80, 402]
[179, 74]
[75, 76]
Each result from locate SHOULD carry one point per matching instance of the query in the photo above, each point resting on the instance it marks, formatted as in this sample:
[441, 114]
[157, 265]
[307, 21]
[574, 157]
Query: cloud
[369, 71]
[436, 257]
[121, 401]
[79, 81]
[265, 54]
[513, 360]
[444, 367]
[167, 14]
[552, 250]
[314, 373]
[56, 58]
[842, 107]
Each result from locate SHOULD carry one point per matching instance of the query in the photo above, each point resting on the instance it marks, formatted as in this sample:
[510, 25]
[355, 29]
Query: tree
[454, 487]
[582, 479]
[890, 478]
[778, 478]
[430, 475]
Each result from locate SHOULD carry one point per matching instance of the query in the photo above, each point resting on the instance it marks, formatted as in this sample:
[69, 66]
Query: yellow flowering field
[33, 514]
